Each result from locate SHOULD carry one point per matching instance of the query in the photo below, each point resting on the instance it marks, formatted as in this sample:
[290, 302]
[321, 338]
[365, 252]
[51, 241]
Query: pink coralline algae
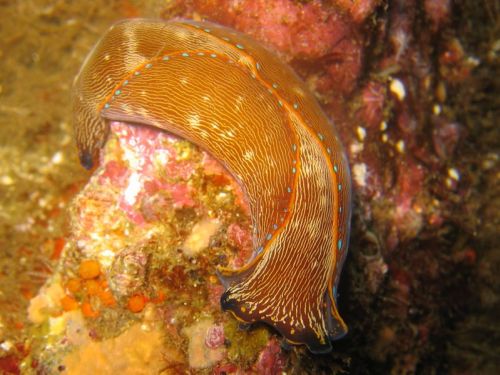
[215, 336]
[134, 175]
[373, 98]
[271, 360]
[310, 32]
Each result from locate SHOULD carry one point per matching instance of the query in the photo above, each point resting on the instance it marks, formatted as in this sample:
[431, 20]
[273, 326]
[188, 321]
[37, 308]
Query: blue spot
[335, 292]
[240, 46]
[340, 187]
[258, 66]
[166, 58]
[339, 244]
[321, 136]
[185, 54]
[125, 83]
[106, 105]
[294, 147]
[275, 226]
[335, 168]
[206, 30]
[137, 73]
[118, 92]
[275, 85]
[295, 105]
[294, 170]
[213, 55]
[269, 236]
[259, 249]
[148, 66]
[289, 189]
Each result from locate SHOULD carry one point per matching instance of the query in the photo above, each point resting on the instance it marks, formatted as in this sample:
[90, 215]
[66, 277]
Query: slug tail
[316, 342]
[336, 326]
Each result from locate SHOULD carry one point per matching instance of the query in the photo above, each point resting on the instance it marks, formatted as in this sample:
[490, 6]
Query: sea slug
[224, 92]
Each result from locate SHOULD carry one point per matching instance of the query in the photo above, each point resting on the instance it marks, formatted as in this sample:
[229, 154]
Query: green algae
[245, 345]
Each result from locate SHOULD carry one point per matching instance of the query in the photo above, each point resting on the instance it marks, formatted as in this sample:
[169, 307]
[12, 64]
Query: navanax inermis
[224, 92]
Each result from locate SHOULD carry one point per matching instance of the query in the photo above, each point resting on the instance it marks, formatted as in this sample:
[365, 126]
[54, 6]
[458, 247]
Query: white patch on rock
[359, 173]
[199, 237]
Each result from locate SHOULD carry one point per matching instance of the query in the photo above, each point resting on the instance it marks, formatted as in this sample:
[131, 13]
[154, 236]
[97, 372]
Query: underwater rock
[131, 284]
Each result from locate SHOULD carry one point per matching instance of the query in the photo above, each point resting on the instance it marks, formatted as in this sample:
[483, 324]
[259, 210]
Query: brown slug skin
[224, 92]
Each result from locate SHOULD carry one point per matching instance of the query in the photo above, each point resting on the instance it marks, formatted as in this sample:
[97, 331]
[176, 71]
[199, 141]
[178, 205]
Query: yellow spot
[400, 146]
[361, 132]
[292, 331]
[398, 89]
[243, 309]
[193, 120]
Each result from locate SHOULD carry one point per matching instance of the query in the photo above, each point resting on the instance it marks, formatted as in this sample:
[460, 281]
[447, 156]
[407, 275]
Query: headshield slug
[224, 92]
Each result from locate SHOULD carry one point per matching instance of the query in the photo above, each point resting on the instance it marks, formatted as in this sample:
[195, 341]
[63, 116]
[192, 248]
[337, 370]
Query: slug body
[222, 91]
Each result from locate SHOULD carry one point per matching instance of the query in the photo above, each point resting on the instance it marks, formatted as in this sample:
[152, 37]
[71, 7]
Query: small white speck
[133, 188]
[42, 202]
[473, 60]
[398, 89]
[57, 158]
[6, 345]
[6, 180]
[356, 147]
[453, 174]
[106, 257]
